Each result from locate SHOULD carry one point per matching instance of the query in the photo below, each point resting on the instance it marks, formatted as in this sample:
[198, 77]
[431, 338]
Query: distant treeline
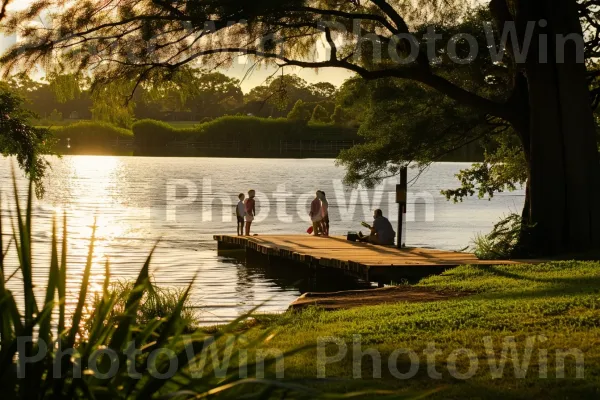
[190, 95]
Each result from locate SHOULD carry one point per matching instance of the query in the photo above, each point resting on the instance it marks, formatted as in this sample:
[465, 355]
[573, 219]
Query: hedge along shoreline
[253, 136]
[90, 136]
[242, 129]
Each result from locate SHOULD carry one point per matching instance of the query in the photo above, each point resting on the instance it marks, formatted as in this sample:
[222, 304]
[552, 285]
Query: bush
[337, 118]
[320, 114]
[503, 242]
[244, 129]
[91, 134]
[254, 129]
[300, 112]
[152, 133]
[157, 303]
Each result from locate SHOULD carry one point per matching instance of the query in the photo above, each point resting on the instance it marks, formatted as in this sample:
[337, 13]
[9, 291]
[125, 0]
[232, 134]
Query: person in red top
[250, 210]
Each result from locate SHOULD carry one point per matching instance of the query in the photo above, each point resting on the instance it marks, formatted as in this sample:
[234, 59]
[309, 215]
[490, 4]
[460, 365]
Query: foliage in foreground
[19, 138]
[40, 331]
[156, 303]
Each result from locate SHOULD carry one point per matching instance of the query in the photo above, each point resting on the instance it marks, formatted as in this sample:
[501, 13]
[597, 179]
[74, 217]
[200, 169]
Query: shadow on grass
[550, 286]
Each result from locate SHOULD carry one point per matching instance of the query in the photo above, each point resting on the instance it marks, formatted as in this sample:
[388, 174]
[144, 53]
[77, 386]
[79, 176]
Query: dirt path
[370, 297]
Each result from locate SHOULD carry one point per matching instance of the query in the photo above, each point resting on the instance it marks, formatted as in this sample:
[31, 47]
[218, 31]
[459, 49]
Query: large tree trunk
[564, 184]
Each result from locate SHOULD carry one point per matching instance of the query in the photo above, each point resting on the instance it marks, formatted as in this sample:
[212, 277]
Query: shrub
[300, 112]
[503, 242]
[91, 134]
[254, 133]
[254, 129]
[337, 118]
[157, 303]
[152, 133]
[320, 114]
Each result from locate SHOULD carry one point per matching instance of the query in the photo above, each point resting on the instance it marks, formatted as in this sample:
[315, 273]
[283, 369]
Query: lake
[183, 202]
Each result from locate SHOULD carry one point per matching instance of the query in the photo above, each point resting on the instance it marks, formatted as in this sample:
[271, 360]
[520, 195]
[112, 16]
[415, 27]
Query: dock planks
[372, 263]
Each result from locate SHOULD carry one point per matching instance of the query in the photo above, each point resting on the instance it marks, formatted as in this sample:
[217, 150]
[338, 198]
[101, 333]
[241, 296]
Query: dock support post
[401, 196]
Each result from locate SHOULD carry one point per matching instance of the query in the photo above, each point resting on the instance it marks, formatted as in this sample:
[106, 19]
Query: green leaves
[19, 138]
[102, 341]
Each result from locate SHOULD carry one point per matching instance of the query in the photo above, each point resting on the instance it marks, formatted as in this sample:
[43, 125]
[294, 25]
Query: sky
[239, 69]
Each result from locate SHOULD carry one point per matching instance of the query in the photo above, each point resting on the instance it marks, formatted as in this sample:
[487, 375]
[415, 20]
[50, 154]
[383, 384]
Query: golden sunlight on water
[128, 197]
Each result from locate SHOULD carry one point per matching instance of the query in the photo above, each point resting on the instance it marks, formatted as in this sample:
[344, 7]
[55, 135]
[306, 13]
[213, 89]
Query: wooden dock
[364, 261]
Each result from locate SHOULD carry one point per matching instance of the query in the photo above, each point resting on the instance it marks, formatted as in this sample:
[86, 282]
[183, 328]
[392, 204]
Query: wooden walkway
[372, 263]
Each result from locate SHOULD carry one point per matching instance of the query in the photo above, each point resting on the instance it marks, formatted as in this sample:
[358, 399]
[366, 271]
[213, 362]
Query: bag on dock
[352, 236]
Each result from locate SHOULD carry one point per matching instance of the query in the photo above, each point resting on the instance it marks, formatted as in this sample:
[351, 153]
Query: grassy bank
[555, 306]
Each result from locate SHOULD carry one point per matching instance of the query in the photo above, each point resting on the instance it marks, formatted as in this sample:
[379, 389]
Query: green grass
[158, 302]
[558, 300]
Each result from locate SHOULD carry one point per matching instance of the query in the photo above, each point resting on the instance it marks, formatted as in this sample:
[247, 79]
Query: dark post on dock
[401, 196]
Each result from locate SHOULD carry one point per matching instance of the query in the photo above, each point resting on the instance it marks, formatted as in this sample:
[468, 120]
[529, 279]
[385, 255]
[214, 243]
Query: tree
[300, 112]
[320, 114]
[65, 93]
[547, 102]
[277, 97]
[323, 91]
[18, 138]
[337, 118]
[194, 92]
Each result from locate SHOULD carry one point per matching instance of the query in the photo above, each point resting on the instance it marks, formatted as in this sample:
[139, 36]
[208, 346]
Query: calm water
[185, 201]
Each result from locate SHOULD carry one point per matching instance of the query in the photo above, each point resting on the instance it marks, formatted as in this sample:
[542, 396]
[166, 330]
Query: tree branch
[387, 9]
[3, 9]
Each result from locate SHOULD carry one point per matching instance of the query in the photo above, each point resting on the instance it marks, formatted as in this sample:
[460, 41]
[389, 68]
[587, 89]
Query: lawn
[548, 312]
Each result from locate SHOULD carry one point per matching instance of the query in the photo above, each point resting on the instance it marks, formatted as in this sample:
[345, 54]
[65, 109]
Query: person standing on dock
[316, 214]
[325, 213]
[250, 210]
[240, 212]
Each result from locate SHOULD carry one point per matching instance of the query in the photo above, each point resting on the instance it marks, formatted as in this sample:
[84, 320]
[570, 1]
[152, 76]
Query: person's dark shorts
[240, 220]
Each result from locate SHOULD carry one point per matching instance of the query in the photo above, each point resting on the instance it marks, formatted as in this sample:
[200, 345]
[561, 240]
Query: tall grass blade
[173, 323]
[62, 280]
[44, 334]
[172, 326]
[9, 347]
[24, 252]
[131, 306]
[97, 330]
[85, 281]
[5, 325]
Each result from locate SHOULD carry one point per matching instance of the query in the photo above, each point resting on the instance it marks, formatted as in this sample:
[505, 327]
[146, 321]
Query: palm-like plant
[33, 342]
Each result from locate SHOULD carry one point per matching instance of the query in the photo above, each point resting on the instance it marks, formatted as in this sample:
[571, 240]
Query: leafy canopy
[18, 138]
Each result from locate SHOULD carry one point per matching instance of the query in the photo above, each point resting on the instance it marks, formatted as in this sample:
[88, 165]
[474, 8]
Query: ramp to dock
[365, 261]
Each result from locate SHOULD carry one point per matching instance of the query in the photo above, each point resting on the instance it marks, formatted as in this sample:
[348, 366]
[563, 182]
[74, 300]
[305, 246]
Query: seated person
[382, 232]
